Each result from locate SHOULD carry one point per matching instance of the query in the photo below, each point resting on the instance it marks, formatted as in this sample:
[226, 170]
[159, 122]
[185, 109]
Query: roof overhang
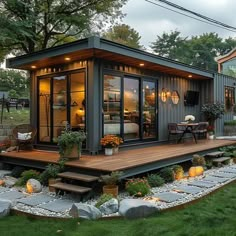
[95, 47]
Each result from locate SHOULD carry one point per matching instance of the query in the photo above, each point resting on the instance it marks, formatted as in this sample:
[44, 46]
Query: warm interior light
[190, 76]
[141, 64]
[33, 67]
[67, 58]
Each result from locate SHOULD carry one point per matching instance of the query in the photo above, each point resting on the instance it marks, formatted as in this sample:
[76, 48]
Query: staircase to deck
[78, 183]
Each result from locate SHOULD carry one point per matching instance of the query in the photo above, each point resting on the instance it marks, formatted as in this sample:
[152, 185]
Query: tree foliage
[14, 80]
[124, 34]
[197, 51]
[31, 25]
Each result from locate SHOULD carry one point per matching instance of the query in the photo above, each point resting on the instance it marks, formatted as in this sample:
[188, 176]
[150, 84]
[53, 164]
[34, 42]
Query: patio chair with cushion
[201, 129]
[24, 135]
[173, 129]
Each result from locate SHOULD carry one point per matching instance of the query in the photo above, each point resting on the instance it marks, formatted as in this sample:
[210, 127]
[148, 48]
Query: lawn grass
[15, 117]
[212, 216]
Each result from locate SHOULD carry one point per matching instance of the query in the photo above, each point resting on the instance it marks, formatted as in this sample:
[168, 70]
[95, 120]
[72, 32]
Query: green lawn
[15, 117]
[214, 215]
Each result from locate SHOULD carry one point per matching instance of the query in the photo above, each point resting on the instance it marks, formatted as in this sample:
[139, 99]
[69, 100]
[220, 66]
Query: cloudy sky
[150, 20]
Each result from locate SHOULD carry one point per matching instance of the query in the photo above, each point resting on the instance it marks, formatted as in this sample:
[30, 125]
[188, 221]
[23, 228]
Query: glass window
[229, 98]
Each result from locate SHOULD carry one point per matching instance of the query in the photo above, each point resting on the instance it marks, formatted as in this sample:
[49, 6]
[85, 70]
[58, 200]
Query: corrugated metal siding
[220, 81]
[169, 112]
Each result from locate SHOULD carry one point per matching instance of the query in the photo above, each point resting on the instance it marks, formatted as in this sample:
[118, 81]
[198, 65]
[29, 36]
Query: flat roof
[101, 48]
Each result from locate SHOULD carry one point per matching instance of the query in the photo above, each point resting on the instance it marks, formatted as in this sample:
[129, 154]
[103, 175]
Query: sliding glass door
[130, 108]
[61, 100]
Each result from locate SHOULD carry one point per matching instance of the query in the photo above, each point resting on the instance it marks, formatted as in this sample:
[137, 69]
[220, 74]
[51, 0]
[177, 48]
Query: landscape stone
[188, 189]
[11, 195]
[58, 205]
[233, 166]
[5, 207]
[10, 181]
[4, 173]
[224, 175]
[169, 196]
[3, 189]
[36, 200]
[202, 184]
[110, 206]
[215, 179]
[136, 208]
[34, 185]
[85, 211]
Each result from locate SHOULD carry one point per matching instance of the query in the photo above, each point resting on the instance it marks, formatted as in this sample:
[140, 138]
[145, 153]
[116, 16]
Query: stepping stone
[4, 173]
[202, 184]
[223, 175]
[168, 196]
[228, 170]
[58, 205]
[214, 154]
[232, 166]
[11, 195]
[36, 200]
[2, 189]
[188, 189]
[215, 179]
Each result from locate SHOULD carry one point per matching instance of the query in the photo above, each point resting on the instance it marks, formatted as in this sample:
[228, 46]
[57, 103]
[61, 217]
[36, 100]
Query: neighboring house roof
[100, 48]
[228, 56]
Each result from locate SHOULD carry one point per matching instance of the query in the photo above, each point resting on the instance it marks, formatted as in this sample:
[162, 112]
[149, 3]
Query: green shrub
[198, 160]
[230, 122]
[17, 171]
[178, 171]
[209, 163]
[26, 175]
[104, 198]
[155, 180]
[167, 174]
[138, 187]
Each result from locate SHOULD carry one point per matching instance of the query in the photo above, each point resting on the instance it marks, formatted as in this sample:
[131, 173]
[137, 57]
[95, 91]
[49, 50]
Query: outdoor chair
[173, 129]
[201, 129]
[24, 135]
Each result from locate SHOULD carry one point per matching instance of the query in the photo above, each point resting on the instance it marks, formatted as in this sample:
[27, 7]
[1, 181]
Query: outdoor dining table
[188, 128]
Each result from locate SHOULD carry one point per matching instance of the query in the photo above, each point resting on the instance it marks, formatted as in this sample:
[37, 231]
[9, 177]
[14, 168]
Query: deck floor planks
[125, 159]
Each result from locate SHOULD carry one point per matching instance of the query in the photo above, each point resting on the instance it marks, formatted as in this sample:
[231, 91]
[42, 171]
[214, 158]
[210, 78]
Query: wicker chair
[173, 129]
[24, 135]
[201, 129]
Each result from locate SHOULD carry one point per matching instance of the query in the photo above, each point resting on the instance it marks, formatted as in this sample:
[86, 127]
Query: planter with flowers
[211, 132]
[189, 118]
[110, 142]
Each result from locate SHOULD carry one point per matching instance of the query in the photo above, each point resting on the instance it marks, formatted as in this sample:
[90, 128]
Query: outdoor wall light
[175, 97]
[164, 95]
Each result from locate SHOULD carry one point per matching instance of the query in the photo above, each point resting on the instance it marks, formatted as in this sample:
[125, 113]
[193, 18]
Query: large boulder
[85, 211]
[136, 208]
[5, 207]
[33, 186]
[109, 207]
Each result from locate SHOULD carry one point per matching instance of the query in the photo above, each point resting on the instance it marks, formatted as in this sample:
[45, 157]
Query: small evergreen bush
[198, 160]
[167, 174]
[138, 187]
[155, 180]
[17, 171]
[104, 198]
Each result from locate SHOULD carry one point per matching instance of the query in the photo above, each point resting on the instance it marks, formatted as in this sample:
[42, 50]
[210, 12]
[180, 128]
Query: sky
[150, 20]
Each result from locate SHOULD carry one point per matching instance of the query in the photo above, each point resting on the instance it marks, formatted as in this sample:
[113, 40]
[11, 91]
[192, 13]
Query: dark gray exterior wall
[220, 81]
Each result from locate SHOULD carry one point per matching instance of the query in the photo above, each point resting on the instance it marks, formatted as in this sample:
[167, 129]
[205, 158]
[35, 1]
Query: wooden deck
[132, 162]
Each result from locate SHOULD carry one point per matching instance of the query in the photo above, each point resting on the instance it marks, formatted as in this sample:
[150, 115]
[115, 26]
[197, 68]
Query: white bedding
[114, 128]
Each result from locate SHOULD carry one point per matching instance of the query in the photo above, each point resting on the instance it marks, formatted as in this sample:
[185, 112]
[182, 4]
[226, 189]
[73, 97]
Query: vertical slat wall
[169, 112]
[220, 81]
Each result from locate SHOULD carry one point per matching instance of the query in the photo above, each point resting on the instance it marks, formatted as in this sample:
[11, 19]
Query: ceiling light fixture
[33, 67]
[141, 64]
[67, 58]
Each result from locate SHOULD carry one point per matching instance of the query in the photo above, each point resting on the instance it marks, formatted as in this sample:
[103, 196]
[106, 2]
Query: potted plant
[213, 111]
[117, 141]
[108, 142]
[211, 132]
[70, 143]
[110, 182]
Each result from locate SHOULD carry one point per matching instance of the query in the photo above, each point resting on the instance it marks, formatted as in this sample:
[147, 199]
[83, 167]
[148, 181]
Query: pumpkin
[195, 171]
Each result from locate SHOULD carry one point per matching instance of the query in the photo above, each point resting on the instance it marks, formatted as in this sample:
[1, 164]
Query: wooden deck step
[214, 154]
[221, 159]
[77, 176]
[71, 187]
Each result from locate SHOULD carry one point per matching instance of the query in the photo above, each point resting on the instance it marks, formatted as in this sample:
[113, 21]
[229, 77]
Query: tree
[199, 51]
[12, 79]
[124, 34]
[31, 25]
